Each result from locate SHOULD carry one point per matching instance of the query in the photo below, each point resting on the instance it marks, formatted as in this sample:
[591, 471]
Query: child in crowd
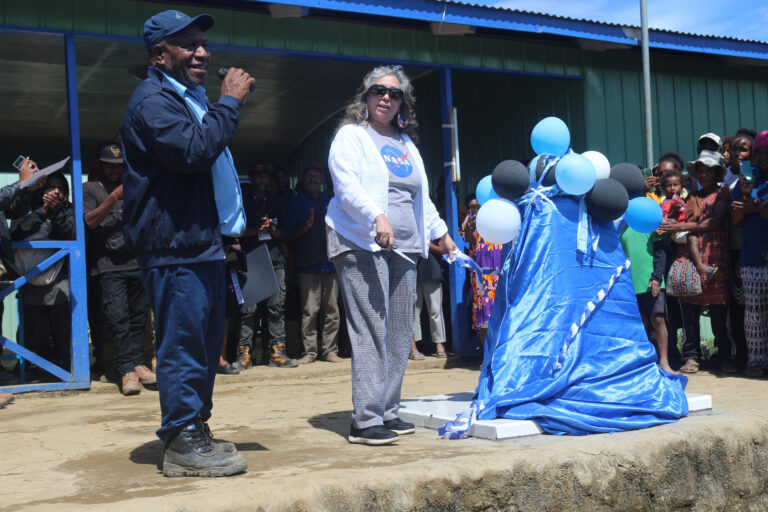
[647, 252]
[672, 204]
[673, 207]
[754, 256]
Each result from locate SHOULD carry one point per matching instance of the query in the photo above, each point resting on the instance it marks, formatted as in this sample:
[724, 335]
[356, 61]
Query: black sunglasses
[380, 90]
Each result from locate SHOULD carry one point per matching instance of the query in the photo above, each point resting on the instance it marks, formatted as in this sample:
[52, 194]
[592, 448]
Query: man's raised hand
[237, 83]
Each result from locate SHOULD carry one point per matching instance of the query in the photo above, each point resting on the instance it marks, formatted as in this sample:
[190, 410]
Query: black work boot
[191, 453]
[224, 446]
[278, 357]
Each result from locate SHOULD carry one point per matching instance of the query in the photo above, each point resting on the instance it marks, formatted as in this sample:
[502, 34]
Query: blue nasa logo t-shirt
[404, 184]
[397, 160]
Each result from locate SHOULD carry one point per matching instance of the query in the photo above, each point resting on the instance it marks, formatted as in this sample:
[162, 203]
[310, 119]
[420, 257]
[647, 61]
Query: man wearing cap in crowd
[123, 300]
[709, 141]
[181, 195]
[712, 142]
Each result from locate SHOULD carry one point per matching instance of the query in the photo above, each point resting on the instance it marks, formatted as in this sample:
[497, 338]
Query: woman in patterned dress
[708, 222]
[488, 256]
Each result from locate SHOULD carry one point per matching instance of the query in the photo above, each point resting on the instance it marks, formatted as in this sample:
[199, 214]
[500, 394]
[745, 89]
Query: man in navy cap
[181, 194]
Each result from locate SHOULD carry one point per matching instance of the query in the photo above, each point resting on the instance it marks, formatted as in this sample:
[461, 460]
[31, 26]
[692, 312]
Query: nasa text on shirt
[397, 161]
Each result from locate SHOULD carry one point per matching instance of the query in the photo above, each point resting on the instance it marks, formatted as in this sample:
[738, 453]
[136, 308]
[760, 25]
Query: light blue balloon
[575, 174]
[551, 136]
[498, 221]
[484, 190]
[643, 214]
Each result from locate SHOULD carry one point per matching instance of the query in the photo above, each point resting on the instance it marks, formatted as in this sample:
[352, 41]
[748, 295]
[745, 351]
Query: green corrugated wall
[243, 28]
[496, 112]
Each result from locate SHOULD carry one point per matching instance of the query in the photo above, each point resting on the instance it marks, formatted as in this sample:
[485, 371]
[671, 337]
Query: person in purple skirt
[488, 256]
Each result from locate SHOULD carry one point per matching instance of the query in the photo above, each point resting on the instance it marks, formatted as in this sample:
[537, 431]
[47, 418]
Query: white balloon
[601, 163]
[498, 221]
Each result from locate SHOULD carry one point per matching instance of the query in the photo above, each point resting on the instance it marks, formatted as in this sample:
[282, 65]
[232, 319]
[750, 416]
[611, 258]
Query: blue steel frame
[462, 344]
[78, 376]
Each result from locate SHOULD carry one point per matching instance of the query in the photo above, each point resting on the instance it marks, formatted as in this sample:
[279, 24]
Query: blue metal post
[462, 344]
[77, 272]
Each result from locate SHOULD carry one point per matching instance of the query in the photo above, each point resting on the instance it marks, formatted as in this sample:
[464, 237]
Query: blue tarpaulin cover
[566, 346]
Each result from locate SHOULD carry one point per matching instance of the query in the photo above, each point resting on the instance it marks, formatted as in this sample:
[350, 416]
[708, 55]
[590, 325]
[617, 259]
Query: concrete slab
[433, 411]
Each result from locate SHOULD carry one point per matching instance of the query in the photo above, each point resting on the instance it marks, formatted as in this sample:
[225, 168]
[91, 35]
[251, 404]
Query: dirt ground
[95, 450]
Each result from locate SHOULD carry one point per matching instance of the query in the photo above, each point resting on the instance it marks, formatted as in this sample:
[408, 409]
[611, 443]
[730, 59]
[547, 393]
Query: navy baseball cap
[166, 23]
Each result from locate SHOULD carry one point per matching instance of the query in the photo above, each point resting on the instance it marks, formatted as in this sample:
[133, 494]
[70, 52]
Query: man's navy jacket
[169, 210]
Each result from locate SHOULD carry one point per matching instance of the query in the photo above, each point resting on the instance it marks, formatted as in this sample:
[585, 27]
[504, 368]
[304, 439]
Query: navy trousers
[189, 302]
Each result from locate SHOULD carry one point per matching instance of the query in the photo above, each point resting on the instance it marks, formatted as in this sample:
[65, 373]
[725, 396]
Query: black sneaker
[228, 369]
[191, 453]
[374, 435]
[399, 426]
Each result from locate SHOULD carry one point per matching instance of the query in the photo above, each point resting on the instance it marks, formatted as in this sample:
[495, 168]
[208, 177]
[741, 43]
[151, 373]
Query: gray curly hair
[355, 112]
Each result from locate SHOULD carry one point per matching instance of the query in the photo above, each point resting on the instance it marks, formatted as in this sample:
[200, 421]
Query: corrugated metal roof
[506, 19]
[597, 22]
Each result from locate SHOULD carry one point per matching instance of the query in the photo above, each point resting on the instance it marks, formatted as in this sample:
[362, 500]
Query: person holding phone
[740, 154]
[14, 203]
[739, 164]
[382, 203]
[753, 260]
[489, 256]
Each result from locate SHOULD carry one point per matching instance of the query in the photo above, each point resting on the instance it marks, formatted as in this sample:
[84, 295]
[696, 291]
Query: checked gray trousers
[377, 289]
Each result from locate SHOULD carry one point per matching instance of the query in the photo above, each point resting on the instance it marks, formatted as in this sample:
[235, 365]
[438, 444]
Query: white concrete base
[433, 411]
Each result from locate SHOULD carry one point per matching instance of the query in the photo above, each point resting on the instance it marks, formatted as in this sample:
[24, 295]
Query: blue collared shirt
[226, 183]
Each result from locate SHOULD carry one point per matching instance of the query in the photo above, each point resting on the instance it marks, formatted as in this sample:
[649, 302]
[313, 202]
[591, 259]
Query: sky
[729, 18]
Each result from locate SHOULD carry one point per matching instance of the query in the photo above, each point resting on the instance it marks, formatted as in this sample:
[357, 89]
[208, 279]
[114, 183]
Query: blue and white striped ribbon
[465, 261]
[594, 234]
[459, 428]
[588, 230]
[582, 228]
[591, 307]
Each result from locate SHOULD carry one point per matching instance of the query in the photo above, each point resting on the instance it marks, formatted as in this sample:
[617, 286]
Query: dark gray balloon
[549, 180]
[631, 177]
[510, 179]
[608, 200]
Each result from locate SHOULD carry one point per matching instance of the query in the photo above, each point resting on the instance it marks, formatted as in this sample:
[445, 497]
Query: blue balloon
[551, 135]
[643, 215]
[575, 174]
[484, 190]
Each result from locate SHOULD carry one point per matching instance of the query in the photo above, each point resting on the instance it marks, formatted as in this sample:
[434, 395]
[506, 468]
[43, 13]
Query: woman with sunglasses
[378, 225]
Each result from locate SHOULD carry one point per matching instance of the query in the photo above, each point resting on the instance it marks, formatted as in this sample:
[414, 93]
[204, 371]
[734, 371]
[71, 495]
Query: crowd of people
[288, 220]
[169, 224]
[709, 201]
[712, 224]
[711, 251]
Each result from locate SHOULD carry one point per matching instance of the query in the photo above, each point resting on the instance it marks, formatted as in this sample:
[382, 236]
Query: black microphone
[222, 72]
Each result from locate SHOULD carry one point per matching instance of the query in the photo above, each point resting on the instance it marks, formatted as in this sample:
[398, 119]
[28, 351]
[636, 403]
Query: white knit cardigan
[361, 184]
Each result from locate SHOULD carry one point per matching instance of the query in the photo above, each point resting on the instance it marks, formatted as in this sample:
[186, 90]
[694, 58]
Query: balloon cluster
[498, 220]
[609, 192]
